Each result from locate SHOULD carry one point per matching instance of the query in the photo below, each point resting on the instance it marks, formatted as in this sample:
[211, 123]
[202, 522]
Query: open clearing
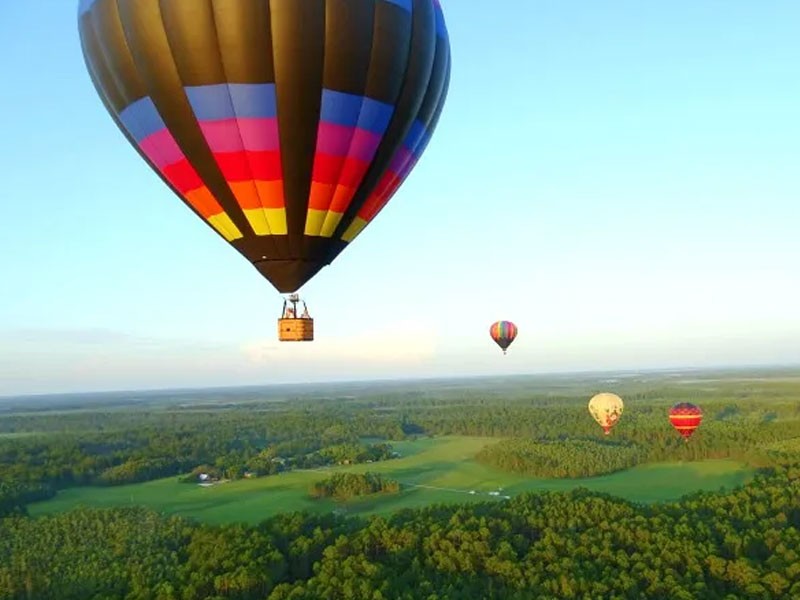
[431, 470]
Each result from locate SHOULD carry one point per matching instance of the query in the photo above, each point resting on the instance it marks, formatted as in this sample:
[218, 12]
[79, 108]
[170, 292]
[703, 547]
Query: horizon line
[628, 372]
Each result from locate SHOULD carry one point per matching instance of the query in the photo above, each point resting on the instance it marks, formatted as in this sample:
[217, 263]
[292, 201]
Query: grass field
[430, 470]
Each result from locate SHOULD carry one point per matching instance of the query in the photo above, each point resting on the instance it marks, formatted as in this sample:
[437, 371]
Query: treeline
[560, 458]
[132, 456]
[275, 459]
[14, 496]
[741, 544]
[344, 486]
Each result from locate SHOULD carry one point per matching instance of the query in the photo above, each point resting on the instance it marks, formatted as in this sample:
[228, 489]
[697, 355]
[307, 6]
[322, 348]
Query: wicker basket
[296, 330]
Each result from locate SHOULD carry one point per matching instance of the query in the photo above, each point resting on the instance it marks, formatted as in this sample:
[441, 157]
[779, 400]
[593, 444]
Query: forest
[740, 543]
[560, 458]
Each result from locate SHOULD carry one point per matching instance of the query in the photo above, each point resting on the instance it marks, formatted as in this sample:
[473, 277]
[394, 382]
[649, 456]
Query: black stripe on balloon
[244, 35]
[298, 43]
[151, 51]
[415, 85]
[391, 50]
[192, 36]
[442, 97]
[110, 37]
[103, 80]
[348, 45]
[436, 85]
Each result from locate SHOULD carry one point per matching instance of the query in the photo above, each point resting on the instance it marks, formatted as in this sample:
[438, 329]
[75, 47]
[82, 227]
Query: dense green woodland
[343, 486]
[742, 544]
[561, 458]
[548, 431]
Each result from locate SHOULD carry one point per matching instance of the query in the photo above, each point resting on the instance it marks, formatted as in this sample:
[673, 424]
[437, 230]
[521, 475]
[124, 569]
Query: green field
[444, 464]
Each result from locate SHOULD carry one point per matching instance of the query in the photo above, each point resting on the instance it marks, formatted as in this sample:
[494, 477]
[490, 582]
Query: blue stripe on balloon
[237, 100]
[350, 110]
[415, 134]
[405, 4]
[141, 119]
[230, 100]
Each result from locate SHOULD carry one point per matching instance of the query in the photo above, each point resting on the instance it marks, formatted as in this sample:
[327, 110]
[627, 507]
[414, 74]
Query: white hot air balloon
[606, 409]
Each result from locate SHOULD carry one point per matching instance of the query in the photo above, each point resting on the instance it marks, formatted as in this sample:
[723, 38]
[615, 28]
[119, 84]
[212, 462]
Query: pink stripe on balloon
[161, 148]
[364, 145]
[333, 139]
[352, 142]
[235, 135]
[260, 135]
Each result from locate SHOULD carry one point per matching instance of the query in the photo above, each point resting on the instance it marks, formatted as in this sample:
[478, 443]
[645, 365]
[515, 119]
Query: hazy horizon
[743, 369]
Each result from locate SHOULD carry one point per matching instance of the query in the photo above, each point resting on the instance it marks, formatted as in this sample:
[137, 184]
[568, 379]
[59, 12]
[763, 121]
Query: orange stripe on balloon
[320, 195]
[203, 201]
[341, 198]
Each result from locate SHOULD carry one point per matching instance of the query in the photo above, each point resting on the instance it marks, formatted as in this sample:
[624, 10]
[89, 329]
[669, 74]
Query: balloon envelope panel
[286, 125]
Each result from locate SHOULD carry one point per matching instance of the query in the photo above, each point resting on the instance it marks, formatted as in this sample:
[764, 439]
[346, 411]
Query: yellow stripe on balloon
[226, 228]
[267, 221]
[314, 221]
[356, 227]
[331, 222]
[322, 223]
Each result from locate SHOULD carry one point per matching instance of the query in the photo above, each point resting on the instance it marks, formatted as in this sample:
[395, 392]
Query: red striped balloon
[685, 418]
[503, 333]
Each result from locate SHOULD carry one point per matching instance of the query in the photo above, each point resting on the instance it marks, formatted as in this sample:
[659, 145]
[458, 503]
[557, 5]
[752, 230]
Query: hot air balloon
[606, 409]
[685, 418]
[285, 125]
[503, 333]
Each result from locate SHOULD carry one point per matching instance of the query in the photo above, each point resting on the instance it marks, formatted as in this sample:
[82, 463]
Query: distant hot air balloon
[503, 333]
[285, 125]
[685, 418]
[606, 409]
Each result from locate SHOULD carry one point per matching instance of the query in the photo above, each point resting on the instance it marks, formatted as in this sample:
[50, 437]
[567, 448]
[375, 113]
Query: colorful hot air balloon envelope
[285, 125]
[606, 409]
[685, 418]
[503, 333]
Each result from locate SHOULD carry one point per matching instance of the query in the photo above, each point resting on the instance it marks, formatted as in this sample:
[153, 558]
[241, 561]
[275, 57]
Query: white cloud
[58, 360]
[402, 342]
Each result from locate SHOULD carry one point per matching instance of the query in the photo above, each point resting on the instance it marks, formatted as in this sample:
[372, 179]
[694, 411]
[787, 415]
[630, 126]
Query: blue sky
[620, 178]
